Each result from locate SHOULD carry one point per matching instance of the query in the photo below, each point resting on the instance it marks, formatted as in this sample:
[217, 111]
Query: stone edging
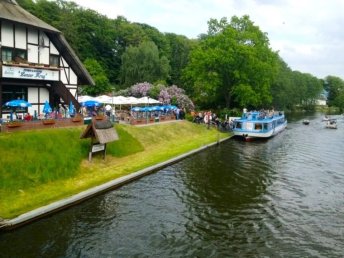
[87, 194]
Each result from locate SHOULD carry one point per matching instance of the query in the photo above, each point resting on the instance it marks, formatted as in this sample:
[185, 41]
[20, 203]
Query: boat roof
[255, 116]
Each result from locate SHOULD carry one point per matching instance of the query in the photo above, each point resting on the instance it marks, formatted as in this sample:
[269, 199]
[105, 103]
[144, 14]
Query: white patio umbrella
[84, 98]
[119, 100]
[104, 99]
[133, 101]
[148, 100]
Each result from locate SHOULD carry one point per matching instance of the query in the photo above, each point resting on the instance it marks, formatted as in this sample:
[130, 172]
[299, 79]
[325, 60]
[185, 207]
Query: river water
[283, 197]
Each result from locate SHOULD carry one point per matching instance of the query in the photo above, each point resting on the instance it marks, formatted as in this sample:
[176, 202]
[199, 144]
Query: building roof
[72, 59]
[102, 131]
[12, 12]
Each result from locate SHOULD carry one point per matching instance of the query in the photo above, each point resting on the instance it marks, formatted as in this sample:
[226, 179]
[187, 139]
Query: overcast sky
[309, 34]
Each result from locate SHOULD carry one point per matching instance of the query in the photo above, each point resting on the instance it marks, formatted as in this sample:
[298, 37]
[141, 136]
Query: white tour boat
[259, 124]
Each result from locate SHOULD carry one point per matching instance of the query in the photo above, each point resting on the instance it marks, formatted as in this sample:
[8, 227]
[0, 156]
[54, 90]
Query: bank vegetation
[40, 167]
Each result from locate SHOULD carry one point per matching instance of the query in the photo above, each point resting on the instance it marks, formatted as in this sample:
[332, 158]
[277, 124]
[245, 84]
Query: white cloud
[307, 33]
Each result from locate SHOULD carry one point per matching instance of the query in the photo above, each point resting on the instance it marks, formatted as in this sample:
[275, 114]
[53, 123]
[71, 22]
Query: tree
[180, 48]
[154, 35]
[282, 89]
[233, 64]
[99, 76]
[143, 63]
[293, 88]
[335, 88]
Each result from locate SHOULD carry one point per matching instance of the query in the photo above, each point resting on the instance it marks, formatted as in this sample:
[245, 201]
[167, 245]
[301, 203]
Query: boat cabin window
[257, 126]
[238, 125]
[265, 126]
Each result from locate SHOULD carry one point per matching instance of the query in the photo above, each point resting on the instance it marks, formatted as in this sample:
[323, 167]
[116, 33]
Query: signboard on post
[97, 148]
[100, 132]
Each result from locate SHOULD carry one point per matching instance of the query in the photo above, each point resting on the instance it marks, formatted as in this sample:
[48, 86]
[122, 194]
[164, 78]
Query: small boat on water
[259, 124]
[305, 122]
[326, 118]
[331, 124]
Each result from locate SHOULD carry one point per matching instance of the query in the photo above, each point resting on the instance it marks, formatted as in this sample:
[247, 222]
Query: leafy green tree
[99, 76]
[95, 36]
[179, 51]
[154, 35]
[282, 88]
[143, 63]
[335, 88]
[28, 5]
[233, 64]
[293, 88]
[339, 101]
[314, 88]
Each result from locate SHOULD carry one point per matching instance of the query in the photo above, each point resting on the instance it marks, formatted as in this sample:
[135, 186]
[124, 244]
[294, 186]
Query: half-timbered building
[37, 64]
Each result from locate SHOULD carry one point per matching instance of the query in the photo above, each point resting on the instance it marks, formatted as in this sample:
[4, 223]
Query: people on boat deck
[262, 114]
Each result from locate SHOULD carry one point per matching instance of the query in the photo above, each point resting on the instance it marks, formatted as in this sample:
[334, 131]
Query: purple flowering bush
[176, 96]
[166, 95]
[140, 89]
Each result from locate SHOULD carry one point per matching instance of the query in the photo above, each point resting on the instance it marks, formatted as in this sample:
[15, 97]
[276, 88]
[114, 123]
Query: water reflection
[276, 198]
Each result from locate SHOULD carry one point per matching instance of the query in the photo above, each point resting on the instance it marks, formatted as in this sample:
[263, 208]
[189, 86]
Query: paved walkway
[162, 122]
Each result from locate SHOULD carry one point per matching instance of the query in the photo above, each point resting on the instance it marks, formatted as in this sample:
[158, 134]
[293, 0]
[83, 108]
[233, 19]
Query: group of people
[209, 118]
[206, 117]
[60, 112]
[179, 113]
[15, 116]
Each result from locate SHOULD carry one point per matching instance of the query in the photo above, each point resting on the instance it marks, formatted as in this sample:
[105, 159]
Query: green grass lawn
[39, 167]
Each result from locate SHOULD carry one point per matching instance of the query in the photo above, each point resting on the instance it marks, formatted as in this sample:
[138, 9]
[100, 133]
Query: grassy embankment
[39, 167]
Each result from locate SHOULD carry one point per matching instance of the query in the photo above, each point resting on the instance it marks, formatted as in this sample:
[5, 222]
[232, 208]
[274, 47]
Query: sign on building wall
[29, 73]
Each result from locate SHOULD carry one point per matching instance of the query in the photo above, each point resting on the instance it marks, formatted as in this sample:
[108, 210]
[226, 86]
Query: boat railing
[260, 115]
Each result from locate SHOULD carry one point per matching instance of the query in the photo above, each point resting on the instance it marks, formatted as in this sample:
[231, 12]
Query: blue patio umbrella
[91, 103]
[160, 108]
[166, 107]
[71, 109]
[136, 109]
[155, 108]
[146, 109]
[18, 103]
[47, 108]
